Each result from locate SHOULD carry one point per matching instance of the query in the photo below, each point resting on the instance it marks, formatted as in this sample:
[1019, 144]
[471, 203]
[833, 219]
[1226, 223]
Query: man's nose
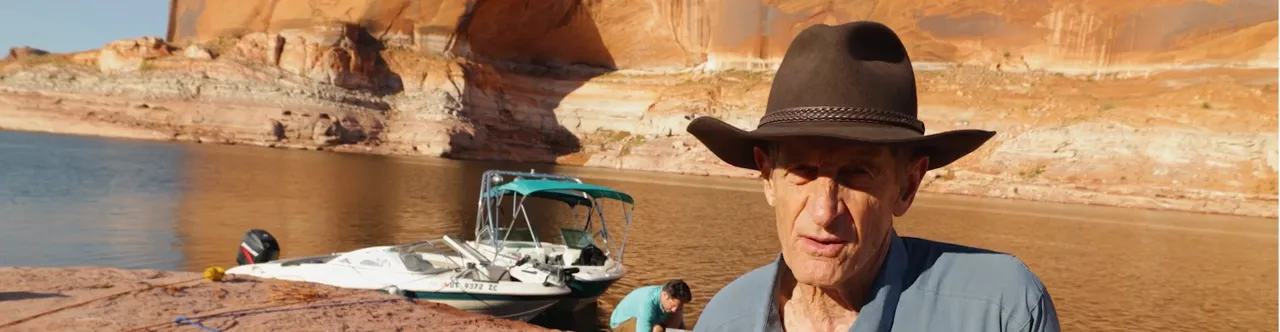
[824, 201]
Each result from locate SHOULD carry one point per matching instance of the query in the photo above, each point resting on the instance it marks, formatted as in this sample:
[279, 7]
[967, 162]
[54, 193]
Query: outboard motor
[258, 246]
[566, 274]
[591, 256]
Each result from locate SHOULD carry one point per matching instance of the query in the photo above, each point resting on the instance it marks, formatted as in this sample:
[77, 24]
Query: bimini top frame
[496, 184]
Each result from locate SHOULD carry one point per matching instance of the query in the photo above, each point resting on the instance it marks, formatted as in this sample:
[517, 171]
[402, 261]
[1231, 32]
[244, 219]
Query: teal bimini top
[564, 191]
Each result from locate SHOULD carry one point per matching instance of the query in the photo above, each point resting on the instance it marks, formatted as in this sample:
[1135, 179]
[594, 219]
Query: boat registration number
[471, 286]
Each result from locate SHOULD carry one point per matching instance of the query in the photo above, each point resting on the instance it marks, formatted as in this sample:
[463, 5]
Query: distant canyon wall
[1064, 35]
[1190, 140]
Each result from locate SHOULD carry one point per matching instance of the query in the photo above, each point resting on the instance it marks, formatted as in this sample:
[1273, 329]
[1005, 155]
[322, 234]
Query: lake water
[69, 201]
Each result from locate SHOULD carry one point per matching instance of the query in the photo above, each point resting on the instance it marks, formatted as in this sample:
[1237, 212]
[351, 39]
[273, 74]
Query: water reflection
[1112, 269]
[68, 200]
[322, 202]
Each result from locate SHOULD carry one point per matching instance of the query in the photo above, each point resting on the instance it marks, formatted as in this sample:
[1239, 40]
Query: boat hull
[504, 299]
[521, 308]
[589, 290]
[584, 294]
[587, 285]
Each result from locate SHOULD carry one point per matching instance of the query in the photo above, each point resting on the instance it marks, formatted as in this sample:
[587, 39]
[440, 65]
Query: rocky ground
[1192, 140]
[146, 300]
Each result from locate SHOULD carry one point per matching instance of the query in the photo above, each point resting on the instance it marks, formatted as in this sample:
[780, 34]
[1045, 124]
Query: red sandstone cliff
[753, 34]
[611, 84]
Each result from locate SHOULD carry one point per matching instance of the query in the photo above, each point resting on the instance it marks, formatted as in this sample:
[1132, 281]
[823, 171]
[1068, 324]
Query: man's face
[834, 204]
[670, 304]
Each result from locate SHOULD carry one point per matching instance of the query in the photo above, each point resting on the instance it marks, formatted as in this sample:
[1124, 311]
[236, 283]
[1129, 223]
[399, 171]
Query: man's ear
[910, 185]
[766, 172]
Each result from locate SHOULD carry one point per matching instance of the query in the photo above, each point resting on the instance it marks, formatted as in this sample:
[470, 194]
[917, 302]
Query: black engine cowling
[591, 256]
[258, 246]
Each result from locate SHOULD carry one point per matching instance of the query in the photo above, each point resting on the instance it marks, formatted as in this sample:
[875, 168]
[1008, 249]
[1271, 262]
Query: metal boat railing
[493, 178]
[487, 220]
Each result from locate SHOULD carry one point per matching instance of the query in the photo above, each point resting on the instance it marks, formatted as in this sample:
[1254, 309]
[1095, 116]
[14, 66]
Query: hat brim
[736, 146]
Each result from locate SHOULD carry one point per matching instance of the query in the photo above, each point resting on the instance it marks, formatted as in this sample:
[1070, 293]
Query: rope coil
[184, 320]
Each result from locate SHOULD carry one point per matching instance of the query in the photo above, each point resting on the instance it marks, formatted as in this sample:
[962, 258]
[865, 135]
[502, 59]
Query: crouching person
[652, 308]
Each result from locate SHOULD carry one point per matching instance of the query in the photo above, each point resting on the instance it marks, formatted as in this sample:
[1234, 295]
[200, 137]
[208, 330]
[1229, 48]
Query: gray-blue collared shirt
[922, 286]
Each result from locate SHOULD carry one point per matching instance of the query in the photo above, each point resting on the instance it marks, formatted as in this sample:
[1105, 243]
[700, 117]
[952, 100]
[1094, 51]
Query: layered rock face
[614, 83]
[338, 54]
[752, 34]
[130, 55]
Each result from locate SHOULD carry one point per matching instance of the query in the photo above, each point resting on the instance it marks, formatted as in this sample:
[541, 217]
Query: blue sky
[77, 25]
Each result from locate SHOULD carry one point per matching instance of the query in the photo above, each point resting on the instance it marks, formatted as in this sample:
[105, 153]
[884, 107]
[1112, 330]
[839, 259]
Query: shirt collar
[656, 300]
[877, 315]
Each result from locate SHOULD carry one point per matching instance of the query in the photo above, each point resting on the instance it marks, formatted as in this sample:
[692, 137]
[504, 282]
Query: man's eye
[804, 172]
[851, 172]
[849, 176]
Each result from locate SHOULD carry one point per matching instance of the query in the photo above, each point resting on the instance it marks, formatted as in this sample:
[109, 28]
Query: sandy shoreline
[150, 300]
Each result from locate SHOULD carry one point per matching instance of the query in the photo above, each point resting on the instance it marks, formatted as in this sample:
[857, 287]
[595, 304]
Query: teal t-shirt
[645, 304]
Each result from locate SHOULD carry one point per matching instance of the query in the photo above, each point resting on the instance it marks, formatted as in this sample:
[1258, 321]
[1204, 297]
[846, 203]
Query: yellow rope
[214, 273]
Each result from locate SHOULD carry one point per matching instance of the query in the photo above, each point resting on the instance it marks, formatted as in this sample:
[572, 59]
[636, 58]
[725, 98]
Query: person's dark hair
[678, 289]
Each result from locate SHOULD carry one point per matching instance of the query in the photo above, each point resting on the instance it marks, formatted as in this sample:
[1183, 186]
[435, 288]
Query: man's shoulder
[642, 292]
[647, 289]
[635, 303]
[977, 282]
[638, 295]
[750, 283]
[739, 303]
[946, 268]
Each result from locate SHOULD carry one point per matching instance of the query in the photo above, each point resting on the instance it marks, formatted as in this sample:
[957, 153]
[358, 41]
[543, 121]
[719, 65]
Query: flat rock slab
[112, 299]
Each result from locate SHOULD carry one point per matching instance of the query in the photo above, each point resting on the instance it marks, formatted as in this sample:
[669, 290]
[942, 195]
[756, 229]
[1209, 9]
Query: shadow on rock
[524, 59]
[587, 319]
[382, 81]
[19, 296]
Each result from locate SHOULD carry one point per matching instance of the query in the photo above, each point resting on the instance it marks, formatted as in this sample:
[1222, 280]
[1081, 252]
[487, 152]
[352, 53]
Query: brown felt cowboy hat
[851, 81]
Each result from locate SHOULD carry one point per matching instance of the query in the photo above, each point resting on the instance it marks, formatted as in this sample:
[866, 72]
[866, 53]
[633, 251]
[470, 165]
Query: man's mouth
[822, 245]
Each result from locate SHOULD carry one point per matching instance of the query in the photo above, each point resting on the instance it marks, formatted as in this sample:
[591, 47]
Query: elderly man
[841, 154]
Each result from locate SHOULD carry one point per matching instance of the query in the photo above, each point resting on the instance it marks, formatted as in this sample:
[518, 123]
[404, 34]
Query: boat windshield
[518, 237]
[430, 256]
[576, 238]
[436, 247]
[523, 238]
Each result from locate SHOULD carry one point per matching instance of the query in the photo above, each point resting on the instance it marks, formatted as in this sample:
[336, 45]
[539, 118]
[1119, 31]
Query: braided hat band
[842, 114]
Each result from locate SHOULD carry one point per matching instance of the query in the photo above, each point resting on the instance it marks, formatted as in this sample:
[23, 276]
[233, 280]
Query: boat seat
[495, 273]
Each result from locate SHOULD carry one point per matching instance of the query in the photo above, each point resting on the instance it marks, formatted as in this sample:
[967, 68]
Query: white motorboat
[593, 258]
[464, 280]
